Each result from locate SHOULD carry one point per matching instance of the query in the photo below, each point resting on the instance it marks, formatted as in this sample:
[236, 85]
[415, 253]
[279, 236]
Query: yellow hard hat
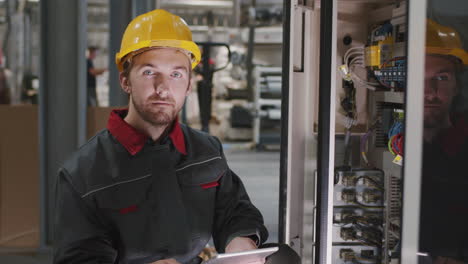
[444, 41]
[157, 28]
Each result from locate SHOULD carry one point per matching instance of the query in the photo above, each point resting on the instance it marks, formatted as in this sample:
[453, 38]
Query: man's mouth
[431, 105]
[162, 103]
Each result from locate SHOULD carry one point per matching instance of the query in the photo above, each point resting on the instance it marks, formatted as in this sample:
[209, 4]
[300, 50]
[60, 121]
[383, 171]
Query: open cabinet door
[355, 168]
[435, 211]
[299, 134]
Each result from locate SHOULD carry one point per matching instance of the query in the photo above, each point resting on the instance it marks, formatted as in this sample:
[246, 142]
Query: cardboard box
[19, 176]
[19, 172]
[97, 119]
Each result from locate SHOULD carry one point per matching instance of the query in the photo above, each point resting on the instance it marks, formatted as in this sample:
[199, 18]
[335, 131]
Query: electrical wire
[364, 205]
[358, 79]
[354, 76]
[358, 60]
[373, 181]
[395, 138]
[396, 143]
[397, 127]
[364, 139]
[390, 148]
[353, 50]
[367, 221]
[367, 242]
[363, 146]
[354, 57]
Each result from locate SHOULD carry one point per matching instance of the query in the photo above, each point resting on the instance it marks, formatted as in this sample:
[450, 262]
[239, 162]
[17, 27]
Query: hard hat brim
[456, 52]
[189, 46]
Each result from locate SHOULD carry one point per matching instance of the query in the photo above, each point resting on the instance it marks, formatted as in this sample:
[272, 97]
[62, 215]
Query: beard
[433, 118]
[435, 113]
[153, 114]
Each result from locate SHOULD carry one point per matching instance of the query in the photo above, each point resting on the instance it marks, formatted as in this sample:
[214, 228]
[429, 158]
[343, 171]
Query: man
[148, 189]
[444, 208]
[92, 72]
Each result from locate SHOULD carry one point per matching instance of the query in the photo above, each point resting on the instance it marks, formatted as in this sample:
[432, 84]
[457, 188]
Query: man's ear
[124, 83]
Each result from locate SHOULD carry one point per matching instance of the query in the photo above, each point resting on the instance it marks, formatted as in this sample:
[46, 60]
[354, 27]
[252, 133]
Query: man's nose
[161, 86]
[430, 88]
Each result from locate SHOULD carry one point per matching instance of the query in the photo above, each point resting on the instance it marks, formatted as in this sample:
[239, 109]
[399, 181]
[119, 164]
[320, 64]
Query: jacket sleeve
[235, 215]
[80, 237]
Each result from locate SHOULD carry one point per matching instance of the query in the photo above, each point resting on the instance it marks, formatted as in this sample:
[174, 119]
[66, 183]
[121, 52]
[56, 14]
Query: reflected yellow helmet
[444, 40]
[157, 28]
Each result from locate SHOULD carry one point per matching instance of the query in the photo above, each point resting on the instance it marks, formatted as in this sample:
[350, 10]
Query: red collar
[133, 140]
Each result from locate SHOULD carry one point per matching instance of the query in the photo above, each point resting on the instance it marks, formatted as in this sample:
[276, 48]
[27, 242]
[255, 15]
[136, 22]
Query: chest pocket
[204, 174]
[128, 206]
[199, 181]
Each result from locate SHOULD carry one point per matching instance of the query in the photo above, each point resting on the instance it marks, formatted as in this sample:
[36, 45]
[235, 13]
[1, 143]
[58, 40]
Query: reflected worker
[444, 206]
[92, 73]
[148, 189]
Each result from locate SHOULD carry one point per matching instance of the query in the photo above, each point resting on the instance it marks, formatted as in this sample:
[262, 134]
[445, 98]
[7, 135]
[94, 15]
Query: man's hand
[166, 261]
[239, 244]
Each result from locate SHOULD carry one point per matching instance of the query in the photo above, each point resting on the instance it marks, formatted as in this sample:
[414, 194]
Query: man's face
[92, 54]
[158, 83]
[440, 87]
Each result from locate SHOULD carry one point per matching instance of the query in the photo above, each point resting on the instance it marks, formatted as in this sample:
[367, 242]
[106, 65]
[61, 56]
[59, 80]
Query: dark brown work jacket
[114, 207]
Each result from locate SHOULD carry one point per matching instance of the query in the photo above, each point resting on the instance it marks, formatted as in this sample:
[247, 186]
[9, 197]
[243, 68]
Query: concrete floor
[259, 172]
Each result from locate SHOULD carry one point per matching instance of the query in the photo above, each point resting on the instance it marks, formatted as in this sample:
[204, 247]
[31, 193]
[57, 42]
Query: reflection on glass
[444, 207]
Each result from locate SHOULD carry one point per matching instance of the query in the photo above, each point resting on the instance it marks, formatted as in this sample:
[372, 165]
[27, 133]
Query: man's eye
[176, 74]
[147, 72]
[442, 77]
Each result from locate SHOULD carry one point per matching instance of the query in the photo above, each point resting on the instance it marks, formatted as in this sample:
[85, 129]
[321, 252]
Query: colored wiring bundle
[395, 138]
[396, 144]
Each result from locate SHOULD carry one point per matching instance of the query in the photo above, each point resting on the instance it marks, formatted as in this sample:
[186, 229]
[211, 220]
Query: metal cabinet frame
[297, 133]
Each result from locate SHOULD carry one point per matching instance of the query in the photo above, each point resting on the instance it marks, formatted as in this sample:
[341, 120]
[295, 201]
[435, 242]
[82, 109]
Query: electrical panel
[366, 216]
[367, 194]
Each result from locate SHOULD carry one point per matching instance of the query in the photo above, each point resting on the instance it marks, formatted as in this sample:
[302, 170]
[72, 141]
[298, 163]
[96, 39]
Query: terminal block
[372, 234]
[345, 217]
[372, 196]
[348, 195]
[373, 218]
[367, 253]
[347, 254]
[349, 180]
[348, 233]
[372, 182]
[348, 216]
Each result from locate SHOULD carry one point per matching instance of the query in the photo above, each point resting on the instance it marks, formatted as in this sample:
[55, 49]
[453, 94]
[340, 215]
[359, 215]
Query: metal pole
[250, 52]
[62, 97]
[326, 133]
[120, 16]
[142, 6]
[236, 22]
[283, 182]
